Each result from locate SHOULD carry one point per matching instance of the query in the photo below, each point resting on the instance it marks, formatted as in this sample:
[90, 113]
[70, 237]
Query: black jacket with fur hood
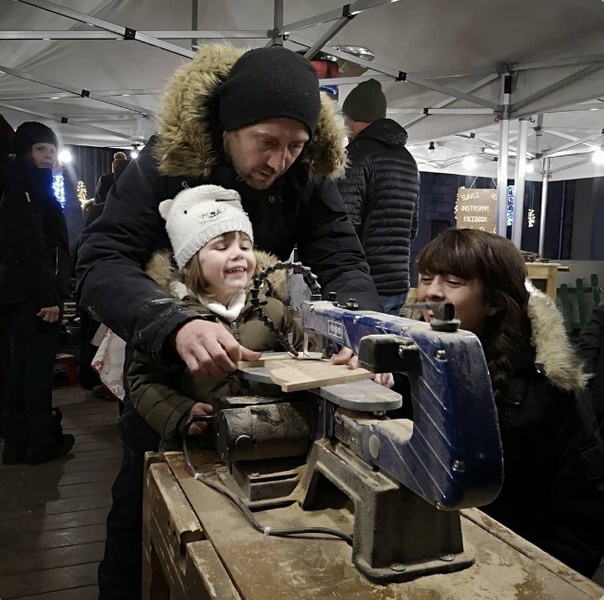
[303, 208]
[553, 490]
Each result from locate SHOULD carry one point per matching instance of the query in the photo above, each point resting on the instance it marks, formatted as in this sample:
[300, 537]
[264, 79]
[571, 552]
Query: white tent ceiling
[435, 42]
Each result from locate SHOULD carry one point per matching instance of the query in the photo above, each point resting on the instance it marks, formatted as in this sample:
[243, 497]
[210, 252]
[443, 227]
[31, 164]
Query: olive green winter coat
[164, 396]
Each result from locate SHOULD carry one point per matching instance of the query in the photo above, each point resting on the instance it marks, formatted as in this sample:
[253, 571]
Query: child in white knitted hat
[212, 241]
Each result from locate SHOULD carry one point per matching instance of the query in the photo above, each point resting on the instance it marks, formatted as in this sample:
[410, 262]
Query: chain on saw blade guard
[298, 268]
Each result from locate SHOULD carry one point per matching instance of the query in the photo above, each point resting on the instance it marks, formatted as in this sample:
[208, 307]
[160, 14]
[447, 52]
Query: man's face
[263, 152]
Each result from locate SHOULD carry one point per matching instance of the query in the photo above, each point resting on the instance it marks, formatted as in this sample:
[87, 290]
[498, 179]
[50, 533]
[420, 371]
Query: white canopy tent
[93, 69]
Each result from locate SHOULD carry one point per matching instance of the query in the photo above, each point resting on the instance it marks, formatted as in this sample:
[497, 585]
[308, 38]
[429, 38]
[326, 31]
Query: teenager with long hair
[553, 490]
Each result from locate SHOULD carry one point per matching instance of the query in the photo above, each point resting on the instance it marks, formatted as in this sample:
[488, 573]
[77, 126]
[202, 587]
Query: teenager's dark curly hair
[500, 268]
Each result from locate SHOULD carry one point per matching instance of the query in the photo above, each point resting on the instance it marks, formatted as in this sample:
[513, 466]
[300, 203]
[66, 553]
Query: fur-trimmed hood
[553, 349]
[162, 269]
[188, 120]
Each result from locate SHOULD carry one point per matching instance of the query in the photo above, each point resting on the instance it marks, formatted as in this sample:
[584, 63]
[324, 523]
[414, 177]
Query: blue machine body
[451, 454]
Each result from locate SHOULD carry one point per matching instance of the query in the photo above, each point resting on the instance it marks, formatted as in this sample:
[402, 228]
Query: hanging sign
[477, 209]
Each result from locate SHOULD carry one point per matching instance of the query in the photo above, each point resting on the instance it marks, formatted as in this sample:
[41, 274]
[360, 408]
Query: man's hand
[209, 350]
[385, 379]
[50, 314]
[344, 356]
[199, 408]
[347, 357]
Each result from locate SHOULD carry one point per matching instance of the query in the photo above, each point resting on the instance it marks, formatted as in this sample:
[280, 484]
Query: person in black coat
[34, 282]
[253, 122]
[106, 181]
[553, 488]
[381, 191]
[591, 349]
[6, 136]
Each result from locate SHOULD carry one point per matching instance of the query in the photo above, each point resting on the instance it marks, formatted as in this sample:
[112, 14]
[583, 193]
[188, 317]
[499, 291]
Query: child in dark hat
[34, 282]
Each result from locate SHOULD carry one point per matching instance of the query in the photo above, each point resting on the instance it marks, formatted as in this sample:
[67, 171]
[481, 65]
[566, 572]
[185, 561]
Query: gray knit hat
[366, 102]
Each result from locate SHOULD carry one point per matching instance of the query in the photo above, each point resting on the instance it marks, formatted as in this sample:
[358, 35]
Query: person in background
[34, 282]
[6, 136]
[106, 181]
[591, 349]
[381, 191]
[553, 488]
[95, 210]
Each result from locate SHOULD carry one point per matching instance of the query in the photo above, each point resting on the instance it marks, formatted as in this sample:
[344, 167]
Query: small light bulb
[134, 154]
[469, 162]
[598, 157]
[65, 157]
[529, 167]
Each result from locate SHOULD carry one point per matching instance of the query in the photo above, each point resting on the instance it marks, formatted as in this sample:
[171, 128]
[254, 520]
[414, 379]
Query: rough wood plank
[206, 577]
[89, 420]
[296, 375]
[80, 447]
[171, 524]
[40, 560]
[84, 466]
[90, 592]
[19, 527]
[98, 455]
[267, 357]
[304, 568]
[50, 580]
[109, 429]
[98, 407]
[53, 539]
[31, 493]
[532, 552]
[56, 507]
[88, 477]
[105, 435]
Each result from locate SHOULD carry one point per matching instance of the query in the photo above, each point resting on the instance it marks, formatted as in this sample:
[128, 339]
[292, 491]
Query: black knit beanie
[31, 133]
[266, 83]
[366, 102]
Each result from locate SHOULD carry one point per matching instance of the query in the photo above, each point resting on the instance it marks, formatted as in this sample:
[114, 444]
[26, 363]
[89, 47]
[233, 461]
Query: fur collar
[188, 121]
[553, 349]
[163, 271]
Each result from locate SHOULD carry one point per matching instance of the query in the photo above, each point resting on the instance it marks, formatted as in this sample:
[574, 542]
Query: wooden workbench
[198, 546]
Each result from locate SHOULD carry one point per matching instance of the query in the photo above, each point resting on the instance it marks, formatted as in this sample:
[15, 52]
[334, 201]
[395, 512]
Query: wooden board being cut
[294, 375]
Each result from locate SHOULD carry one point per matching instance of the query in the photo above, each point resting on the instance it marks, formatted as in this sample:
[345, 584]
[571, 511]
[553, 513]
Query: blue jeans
[394, 304]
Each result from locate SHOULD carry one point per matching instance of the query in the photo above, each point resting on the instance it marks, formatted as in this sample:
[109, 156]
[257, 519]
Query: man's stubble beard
[246, 178]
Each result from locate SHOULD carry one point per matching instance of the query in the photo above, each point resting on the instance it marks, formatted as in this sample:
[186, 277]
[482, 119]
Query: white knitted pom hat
[198, 215]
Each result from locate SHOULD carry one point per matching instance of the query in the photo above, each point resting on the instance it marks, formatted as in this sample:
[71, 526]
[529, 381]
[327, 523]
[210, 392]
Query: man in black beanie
[381, 191]
[253, 122]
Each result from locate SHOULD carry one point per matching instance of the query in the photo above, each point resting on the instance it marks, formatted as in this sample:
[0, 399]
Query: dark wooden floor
[52, 516]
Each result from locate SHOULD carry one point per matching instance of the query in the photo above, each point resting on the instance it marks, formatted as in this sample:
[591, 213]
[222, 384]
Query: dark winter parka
[164, 396]
[553, 491]
[591, 349]
[381, 194]
[302, 208]
[34, 246]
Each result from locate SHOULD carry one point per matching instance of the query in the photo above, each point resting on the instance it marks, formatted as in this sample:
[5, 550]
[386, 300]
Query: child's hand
[385, 379]
[199, 408]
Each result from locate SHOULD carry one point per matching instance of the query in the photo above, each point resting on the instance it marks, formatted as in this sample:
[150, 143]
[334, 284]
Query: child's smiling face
[227, 265]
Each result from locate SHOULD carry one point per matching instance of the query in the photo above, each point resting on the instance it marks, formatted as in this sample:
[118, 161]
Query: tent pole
[194, 22]
[546, 167]
[278, 23]
[502, 164]
[519, 183]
